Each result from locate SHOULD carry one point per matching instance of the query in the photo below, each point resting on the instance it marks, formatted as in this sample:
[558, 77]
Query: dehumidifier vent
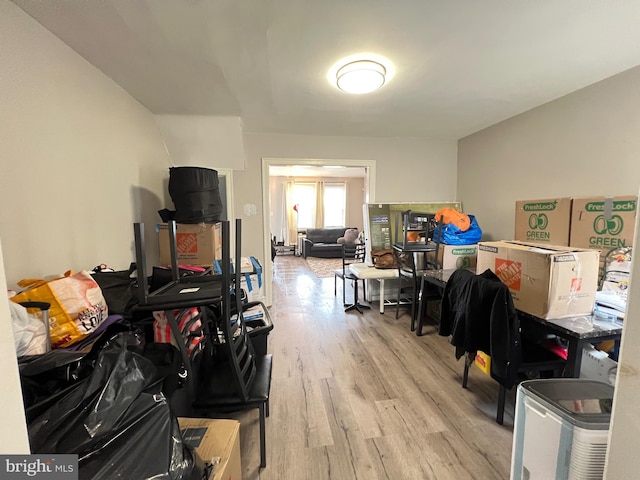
[588, 454]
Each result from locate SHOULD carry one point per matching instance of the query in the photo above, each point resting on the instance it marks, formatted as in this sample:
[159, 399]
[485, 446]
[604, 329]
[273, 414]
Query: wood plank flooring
[362, 397]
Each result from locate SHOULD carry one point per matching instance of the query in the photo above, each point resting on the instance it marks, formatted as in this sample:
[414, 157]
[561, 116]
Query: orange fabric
[451, 215]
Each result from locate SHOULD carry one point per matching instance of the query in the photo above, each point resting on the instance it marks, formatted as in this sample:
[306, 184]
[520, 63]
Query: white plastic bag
[29, 334]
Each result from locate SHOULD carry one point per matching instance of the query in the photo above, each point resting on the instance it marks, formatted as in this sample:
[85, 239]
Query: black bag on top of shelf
[196, 195]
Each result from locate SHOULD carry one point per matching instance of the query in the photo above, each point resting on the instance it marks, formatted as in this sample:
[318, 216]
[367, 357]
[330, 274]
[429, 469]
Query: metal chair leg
[344, 287]
[501, 398]
[263, 436]
[465, 374]
[414, 300]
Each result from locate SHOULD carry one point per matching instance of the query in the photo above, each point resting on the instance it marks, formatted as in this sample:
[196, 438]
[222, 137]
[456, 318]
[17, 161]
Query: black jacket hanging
[478, 313]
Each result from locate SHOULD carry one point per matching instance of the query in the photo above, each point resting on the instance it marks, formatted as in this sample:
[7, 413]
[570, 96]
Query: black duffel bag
[119, 288]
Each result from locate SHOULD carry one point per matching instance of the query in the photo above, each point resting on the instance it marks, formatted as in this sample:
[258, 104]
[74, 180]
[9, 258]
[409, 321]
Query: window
[335, 201]
[304, 201]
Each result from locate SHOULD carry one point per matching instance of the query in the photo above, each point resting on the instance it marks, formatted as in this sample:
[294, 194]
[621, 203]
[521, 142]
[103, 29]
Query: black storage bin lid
[585, 403]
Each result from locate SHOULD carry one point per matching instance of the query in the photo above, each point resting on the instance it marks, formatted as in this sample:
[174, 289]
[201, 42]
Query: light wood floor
[361, 396]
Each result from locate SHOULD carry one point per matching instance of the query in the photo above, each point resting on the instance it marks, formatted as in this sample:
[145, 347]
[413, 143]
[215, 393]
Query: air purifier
[561, 429]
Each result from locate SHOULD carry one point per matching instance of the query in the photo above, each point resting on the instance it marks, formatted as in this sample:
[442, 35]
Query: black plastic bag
[116, 423]
[119, 289]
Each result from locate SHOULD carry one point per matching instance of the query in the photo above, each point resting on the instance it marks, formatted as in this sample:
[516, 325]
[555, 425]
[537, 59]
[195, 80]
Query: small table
[369, 272]
[578, 331]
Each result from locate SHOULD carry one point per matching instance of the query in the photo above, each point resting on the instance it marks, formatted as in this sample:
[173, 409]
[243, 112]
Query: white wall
[81, 159]
[13, 427]
[202, 141]
[625, 420]
[407, 169]
[585, 143]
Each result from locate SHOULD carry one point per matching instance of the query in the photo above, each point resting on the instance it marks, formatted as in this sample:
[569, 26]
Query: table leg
[574, 358]
[356, 304]
[381, 295]
[419, 314]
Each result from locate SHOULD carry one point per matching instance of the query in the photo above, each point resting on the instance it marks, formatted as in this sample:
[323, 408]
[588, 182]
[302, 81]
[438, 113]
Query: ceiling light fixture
[361, 76]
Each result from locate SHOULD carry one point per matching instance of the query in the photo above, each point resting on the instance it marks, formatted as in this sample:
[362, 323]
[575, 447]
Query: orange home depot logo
[187, 242]
[509, 272]
[481, 361]
[576, 284]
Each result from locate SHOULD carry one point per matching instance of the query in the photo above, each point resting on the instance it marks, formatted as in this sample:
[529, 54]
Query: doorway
[267, 164]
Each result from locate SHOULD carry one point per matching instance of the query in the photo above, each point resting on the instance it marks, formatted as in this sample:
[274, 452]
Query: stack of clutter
[458, 234]
[611, 299]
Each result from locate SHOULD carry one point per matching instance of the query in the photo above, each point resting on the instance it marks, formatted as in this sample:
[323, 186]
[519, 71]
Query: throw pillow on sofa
[350, 236]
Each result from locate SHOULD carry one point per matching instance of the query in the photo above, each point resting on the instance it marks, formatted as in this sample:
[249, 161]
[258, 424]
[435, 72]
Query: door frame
[370, 183]
[228, 174]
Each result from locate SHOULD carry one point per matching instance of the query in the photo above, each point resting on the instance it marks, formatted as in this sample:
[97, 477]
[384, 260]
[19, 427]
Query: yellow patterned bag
[77, 305]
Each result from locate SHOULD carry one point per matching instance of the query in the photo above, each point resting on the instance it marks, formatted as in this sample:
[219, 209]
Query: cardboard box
[253, 286]
[604, 223]
[456, 256]
[548, 281]
[197, 244]
[216, 443]
[543, 221]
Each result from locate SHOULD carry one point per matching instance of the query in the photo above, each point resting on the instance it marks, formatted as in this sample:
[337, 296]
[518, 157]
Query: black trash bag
[116, 423]
[196, 194]
[48, 377]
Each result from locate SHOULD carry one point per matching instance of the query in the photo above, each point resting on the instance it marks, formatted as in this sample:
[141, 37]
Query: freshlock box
[456, 256]
[543, 221]
[548, 281]
[604, 223]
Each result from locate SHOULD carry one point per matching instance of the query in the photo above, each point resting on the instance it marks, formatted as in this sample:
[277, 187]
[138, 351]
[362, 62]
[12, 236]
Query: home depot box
[456, 256]
[548, 281]
[216, 444]
[544, 221]
[197, 244]
[604, 223]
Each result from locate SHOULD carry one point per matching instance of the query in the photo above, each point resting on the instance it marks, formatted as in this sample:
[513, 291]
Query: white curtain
[319, 204]
[289, 216]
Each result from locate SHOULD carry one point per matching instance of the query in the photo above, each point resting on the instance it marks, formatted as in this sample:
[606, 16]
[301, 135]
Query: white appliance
[561, 429]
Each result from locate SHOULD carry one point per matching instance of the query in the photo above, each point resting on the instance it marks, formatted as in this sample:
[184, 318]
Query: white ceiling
[460, 65]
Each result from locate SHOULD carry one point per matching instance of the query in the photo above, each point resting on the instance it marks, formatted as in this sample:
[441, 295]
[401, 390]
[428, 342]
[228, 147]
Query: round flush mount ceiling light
[361, 76]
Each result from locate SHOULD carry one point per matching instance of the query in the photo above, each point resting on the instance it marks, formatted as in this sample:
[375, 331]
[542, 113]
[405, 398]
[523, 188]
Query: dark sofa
[323, 242]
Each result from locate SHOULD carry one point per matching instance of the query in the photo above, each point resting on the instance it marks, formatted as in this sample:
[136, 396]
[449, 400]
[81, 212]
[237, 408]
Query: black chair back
[352, 253]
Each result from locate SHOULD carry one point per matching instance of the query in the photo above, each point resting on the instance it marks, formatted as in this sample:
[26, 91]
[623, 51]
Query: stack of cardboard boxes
[555, 263]
[602, 223]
